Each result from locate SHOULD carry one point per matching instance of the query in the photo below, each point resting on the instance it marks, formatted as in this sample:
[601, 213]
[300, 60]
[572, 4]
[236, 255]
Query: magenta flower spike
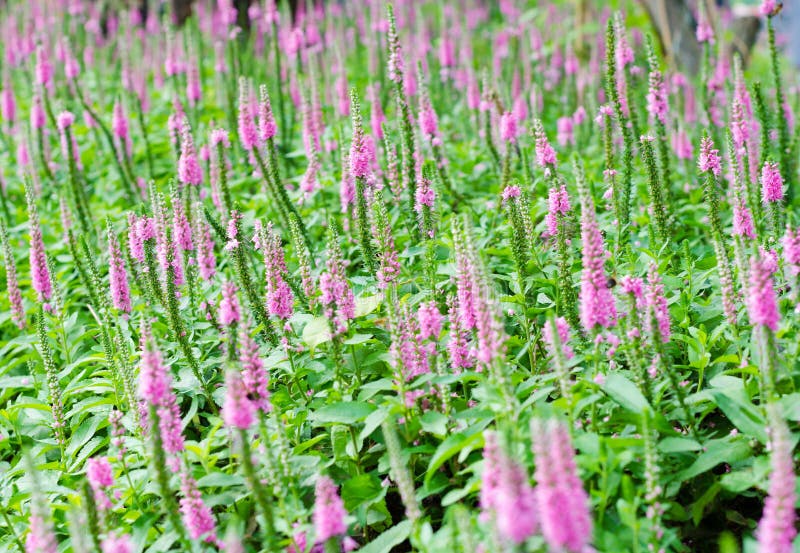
[562, 501]
[562, 331]
[40, 272]
[181, 230]
[329, 513]
[194, 91]
[229, 310]
[506, 495]
[776, 529]
[189, 171]
[428, 121]
[791, 250]
[118, 278]
[43, 71]
[742, 219]
[267, 128]
[516, 510]
[248, 133]
[771, 183]
[768, 8]
[762, 306]
[709, 159]
[155, 388]
[116, 544]
[101, 477]
[254, 375]
[565, 129]
[337, 297]
[597, 309]
[459, 351]
[490, 478]
[8, 104]
[545, 155]
[557, 203]
[206, 260]
[657, 99]
[119, 122]
[197, 517]
[657, 303]
[704, 32]
[238, 411]
[280, 299]
[508, 127]
[38, 116]
[430, 320]
[41, 537]
[12, 284]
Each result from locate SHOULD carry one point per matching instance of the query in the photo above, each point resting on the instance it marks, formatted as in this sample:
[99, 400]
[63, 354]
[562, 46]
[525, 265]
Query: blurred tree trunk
[181, 10]
[242, 17]
[676, 27]
[745, 33]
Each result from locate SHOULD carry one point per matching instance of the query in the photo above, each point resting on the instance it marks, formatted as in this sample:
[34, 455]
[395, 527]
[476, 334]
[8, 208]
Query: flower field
[458, 277]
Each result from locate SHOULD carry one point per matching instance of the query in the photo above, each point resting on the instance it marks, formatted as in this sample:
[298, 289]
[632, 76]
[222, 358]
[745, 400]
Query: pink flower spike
[430, 321]
[43, 69]
[65, 119]
[511, 192]
[768, 8]
[329, 513]
[119, 122]
[545, 155]
[597, 307]
[219, 136]
[267, 128]
[562, 331]
[116, 544]
[38, 115]
[657, 304]
[562, 501]
[248, 133]
[762, 304]
[709, 159]
[254, 375]
[508, 127]
[229, 310]
[776, 530]
[197, 517]
[238, 411]
[118, 278]
[771, 183]
[189, 171]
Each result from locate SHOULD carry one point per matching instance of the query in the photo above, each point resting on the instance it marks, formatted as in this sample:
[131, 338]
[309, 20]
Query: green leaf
[463, 441]
[674, 444]
[82, 435]
[434, 422]
[625, 392]
[219, 480]
[373, 421]
[741, 412]
[359, 490]
[386, 541]
[717, 451]
[699, 506]
[368, 304]
[317, 331]
[344, 412]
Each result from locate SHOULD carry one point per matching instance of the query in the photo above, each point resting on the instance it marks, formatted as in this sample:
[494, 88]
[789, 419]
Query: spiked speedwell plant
[413, 276]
